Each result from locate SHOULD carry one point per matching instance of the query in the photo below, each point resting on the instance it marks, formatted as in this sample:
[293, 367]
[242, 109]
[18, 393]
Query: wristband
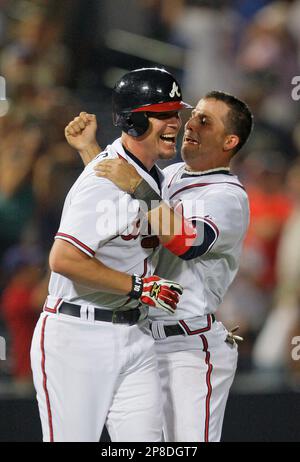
[145, 193]
[137, 287]
[181, 243]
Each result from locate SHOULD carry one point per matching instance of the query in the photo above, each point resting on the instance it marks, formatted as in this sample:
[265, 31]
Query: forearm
[70, 262]
[165, 222]
[95, 275]
[175, 232]
[90, 273]
[89, 152]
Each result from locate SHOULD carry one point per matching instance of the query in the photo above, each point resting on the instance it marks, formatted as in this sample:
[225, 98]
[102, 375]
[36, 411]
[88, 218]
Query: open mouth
[189, 140]
[168, 139]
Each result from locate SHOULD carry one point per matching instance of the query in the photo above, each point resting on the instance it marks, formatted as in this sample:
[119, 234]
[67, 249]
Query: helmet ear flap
[133, 123]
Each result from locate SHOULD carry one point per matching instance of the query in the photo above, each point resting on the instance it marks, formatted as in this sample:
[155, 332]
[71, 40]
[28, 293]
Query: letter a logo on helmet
[141, 92]
[175, 91]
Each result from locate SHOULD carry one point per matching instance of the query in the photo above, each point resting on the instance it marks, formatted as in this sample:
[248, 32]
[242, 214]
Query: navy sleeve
[207, 236]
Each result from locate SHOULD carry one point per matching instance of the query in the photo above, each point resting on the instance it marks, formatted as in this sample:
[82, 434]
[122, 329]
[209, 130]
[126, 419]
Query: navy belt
[129, 317]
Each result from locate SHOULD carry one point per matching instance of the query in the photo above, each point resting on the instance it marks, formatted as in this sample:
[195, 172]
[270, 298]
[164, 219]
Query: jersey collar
[213, 171]
[153, 172]
[135, 159]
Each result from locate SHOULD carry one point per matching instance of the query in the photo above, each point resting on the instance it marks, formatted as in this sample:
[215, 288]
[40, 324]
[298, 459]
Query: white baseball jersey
[88, 373]
[197, 366]
[102, 221]
[218, 200]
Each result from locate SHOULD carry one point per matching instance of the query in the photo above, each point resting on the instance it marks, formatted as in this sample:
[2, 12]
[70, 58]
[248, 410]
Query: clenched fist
[81, 135]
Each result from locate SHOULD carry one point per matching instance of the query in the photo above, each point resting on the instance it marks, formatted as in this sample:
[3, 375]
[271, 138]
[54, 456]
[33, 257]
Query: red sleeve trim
[212, 224]
[209, 222]
[76, 242]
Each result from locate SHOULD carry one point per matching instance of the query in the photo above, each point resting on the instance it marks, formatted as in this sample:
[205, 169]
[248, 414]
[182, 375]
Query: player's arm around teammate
[175, 233]
[93, 356]
[202, 364]
[70, 262]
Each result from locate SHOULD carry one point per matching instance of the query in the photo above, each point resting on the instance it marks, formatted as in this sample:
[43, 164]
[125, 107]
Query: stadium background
[59, 58]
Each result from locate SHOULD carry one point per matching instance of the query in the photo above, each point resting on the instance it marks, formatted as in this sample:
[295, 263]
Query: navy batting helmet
[142, 91]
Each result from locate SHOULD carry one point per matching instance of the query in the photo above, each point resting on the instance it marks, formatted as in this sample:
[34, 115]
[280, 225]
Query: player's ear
[231, 142]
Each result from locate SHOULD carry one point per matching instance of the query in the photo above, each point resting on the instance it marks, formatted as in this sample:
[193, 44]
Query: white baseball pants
[196, 372]
[88, 374]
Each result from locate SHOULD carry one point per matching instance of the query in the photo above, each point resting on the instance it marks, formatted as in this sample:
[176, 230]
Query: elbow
[56, 263]
[65, 259]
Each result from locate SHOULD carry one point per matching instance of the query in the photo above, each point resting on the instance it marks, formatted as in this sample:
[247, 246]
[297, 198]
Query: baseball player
[92, 353]
[197, 356]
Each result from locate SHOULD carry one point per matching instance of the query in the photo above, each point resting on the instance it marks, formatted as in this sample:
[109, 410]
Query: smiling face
[163, 132]
[206, 144]
[159, 142]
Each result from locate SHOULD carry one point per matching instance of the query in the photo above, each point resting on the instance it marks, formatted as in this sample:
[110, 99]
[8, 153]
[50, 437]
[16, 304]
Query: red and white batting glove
[156, 292]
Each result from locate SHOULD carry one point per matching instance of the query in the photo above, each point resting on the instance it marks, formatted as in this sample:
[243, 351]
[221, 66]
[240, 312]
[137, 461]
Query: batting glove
[156, 292]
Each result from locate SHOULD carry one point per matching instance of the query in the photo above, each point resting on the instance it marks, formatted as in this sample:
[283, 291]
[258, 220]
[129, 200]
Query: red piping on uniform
[45, 380]
[210, 222]
[52, 310]
[169, 185]
[199, 331]
[123, 158]
[145, 267]
[200, 185]
[209, 388]
[85, 247]
[213, 225]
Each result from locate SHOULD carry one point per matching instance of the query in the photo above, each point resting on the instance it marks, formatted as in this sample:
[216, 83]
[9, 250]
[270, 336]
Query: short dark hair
[239, 119]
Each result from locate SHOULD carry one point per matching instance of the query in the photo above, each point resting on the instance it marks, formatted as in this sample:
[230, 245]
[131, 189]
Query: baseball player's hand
[120, 172]
[160, 293]
[81, 132]
[232, 338]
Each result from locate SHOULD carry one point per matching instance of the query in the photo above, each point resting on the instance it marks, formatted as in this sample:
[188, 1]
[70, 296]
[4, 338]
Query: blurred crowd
[55, 59]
